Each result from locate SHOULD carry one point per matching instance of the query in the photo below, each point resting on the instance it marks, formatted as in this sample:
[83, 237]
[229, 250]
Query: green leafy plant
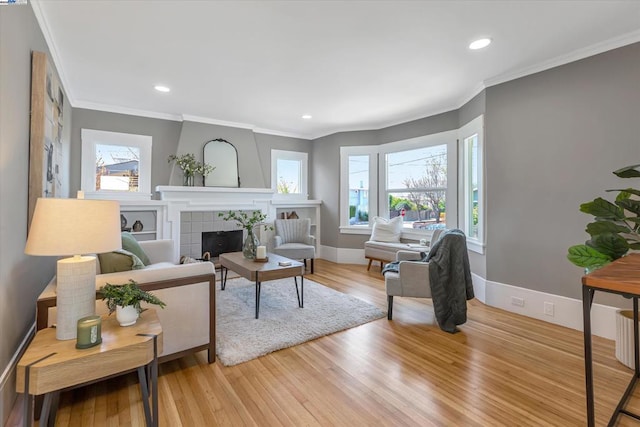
[127, 294]
[246, 221]
[616, 228]
[190, 166]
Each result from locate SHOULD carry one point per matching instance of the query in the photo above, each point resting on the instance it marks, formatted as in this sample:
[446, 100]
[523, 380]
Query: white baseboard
[8, 381]
[342, 255]
[566, 311]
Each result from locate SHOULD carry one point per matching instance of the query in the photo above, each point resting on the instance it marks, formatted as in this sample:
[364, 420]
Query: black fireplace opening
[220, 242]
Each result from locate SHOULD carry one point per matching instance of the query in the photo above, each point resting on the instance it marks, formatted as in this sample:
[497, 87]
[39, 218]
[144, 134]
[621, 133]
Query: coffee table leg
[300, 294]
[223, 281]
[258, 286]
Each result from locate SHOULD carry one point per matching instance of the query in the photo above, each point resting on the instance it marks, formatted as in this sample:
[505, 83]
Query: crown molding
[576, 55]
[128, 111]
[210, 121]
[55, 57]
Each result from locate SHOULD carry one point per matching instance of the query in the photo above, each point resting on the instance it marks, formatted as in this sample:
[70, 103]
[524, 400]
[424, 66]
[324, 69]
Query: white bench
[385, 252]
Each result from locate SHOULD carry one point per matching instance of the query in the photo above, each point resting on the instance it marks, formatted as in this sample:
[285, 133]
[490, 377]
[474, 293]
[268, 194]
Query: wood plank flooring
[500, 370]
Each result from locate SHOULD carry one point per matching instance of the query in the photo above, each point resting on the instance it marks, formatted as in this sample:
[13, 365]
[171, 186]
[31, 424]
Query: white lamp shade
[74, 227]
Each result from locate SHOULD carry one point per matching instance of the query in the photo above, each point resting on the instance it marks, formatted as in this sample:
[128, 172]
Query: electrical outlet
[549, 308]
[517, 301]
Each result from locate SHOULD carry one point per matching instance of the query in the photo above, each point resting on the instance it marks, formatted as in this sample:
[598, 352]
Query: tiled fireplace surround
[188, 211]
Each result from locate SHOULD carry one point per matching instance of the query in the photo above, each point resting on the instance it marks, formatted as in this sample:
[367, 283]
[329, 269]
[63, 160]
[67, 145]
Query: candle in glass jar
[261, 252]
[89, 332]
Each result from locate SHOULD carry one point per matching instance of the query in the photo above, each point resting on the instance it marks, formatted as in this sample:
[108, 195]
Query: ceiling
[352, 65]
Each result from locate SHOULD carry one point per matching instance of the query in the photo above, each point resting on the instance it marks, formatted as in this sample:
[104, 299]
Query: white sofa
[188, 320]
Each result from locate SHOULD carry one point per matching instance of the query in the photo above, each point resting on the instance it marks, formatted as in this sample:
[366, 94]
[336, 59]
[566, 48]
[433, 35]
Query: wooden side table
[49, 366]
[621, 277]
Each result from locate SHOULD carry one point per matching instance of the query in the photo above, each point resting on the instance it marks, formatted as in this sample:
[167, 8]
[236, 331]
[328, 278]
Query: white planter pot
[126, 316]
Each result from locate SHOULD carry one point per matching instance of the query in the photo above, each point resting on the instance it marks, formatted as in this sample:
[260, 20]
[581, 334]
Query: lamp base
[76, 294]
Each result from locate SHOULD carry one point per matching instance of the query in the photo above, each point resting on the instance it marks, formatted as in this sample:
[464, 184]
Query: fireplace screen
[219, 242]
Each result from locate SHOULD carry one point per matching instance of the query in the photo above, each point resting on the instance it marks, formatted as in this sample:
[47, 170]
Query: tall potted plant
[615, 229]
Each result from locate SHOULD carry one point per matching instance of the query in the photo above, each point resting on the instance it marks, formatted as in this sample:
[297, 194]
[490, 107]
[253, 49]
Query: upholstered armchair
[293, 240]
[411, 280]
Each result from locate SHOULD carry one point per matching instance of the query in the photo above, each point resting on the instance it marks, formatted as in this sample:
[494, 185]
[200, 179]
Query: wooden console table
[621, 277]
[49, 366]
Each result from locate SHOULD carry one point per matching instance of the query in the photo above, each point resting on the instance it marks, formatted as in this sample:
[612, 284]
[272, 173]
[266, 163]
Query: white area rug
[241, 337]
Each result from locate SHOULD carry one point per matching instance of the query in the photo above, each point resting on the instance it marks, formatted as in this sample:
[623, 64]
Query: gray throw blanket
[450, 278]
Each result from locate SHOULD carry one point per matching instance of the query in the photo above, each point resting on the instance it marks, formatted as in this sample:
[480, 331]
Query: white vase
[127, 315]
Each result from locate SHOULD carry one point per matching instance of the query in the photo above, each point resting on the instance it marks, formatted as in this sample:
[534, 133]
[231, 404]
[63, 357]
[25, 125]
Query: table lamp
[74, 227]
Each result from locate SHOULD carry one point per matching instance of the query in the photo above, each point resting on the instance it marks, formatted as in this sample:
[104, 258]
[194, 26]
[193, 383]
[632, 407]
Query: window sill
[475, 246]
[350, 229]
[116, 195]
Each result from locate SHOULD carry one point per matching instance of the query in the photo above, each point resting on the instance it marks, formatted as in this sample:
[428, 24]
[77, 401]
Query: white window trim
[303, 159]
[475, 126]
[345, 152]
[448, 138]
[91, 138]
[378, 202]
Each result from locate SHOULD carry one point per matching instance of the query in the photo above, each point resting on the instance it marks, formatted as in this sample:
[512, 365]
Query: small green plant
[127, 294]
[245, 221]
[616, 228]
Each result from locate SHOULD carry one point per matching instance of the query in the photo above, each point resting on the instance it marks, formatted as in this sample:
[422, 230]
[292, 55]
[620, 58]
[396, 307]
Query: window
[471, 176]
[417, 181]
[358, 197]
[115, 165]
[289, 173]
[416, 186]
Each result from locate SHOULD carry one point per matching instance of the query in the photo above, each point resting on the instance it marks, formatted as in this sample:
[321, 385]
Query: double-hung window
[415, 179]
[471, 177]
[289, 172]
[358, 195]
[115, 165]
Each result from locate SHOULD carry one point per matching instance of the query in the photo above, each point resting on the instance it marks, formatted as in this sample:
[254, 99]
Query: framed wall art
[46, 136]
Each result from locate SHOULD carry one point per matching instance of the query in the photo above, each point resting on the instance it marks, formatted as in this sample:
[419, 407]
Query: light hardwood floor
[501, 369]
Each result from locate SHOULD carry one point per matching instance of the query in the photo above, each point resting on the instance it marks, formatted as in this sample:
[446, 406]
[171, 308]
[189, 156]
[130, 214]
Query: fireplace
[219, 242]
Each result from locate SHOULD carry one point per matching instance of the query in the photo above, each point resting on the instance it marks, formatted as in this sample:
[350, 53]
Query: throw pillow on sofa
[129, 243]
[121, 260]
[385, 230]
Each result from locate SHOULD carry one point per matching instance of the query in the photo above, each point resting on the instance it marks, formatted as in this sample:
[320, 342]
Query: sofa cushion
[385, 230]
[129, 243]
[121, 260]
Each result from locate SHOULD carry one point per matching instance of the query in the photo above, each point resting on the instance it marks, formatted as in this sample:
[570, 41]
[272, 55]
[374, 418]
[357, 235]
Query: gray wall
[165, 134]
[552, 140]
[22, 278]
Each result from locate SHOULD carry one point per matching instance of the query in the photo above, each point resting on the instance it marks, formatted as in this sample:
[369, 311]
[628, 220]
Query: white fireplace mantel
[192, 199]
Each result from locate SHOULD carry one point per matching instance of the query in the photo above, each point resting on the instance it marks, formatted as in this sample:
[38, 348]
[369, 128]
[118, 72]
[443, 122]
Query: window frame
[345, 152]
[90, 139]
[378, 199]
[474, 127]
[303, 159]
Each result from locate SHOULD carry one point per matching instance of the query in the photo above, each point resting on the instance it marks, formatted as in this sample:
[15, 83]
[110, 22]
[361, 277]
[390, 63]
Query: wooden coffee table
[259, 272]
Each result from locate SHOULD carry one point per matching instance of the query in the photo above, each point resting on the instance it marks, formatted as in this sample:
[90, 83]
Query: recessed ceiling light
[479, 44]
[307, 116]
[161, 88]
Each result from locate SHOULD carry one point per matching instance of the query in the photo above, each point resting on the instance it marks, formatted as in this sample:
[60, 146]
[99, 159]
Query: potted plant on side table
[125, 301]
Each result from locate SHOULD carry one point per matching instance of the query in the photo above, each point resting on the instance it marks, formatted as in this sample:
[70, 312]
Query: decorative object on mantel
[125, 301]
[293, 215]
[616, 228]
[137, 226]
[190, 167]
[123, 222]
[222, 154]
[251, 242]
